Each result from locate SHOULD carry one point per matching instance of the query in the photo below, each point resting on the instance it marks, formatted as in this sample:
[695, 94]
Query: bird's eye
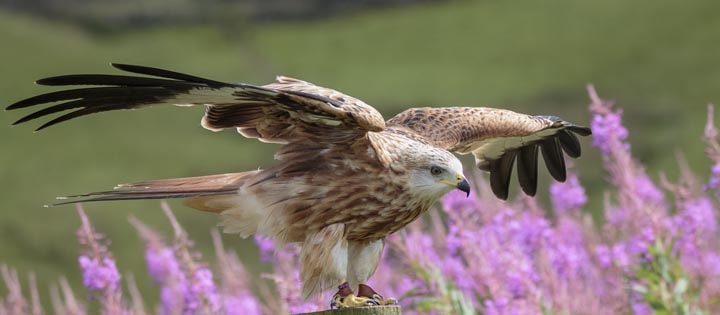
[435, 170]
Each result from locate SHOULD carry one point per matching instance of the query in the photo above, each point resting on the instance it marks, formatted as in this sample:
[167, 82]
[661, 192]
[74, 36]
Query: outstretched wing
[285, 111]
[496, 138]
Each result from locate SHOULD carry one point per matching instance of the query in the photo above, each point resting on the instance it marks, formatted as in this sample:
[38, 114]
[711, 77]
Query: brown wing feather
[496, 137]
[284, 111]
[210, 185]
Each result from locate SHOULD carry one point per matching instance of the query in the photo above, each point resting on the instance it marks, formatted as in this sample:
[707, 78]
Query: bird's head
[436, 173]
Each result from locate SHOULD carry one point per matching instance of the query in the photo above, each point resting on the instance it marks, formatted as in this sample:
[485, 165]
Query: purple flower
[454, 240]
[98, 267]
[164, 268]
[713, 263]
[714, 182]
[162, 264]
[266, 246]
[457, 270]
[646, 189]
[698, 217]
[616, 216]
[516, 284]
[200, 292]
[566, 248]
[640, 308]
[500, 306]
[529, 232]
[171, 300]
[97, 264]
[609, 132]
[241, 305]
[638, 244]
[569, 195]
[236, 297]
[99, 274]
[457, 201]
[604, 256]
[419, 246]
[620, 255]
[697, 225]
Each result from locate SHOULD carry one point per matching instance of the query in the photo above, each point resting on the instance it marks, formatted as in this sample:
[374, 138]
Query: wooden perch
[370, 310]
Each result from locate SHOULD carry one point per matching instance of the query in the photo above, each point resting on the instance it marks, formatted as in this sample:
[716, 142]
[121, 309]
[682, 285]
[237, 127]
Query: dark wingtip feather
[167, 74]
[25, 119]
[527, 165]
[16, 105]
[43, 98]
[68, 79]
[569, 143]
[90, 93]
[500, 174]
[50, 123]
[554, 159]
[109, 80]
[74, 114]
[35, 100]
[51, 110]
[110, 92]
[141, 69]
[581, 130]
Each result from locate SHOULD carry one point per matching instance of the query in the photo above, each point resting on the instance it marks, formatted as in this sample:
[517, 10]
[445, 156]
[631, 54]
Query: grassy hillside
[657, 59]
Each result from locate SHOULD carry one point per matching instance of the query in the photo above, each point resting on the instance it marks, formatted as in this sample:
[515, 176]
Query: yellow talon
[382, 301]
[351, 300]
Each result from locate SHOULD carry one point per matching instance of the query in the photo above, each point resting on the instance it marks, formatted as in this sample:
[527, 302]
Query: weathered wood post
[370, 310]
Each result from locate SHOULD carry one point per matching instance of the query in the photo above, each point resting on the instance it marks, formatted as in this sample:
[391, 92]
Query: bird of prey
[344, 177]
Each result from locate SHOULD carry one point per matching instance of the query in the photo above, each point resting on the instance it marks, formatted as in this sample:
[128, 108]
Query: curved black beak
[464, 186]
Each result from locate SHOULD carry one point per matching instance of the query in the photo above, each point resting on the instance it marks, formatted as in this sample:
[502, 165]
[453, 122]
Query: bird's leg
[363, 259]
[339, 298]
[365, 290]
[345, 298]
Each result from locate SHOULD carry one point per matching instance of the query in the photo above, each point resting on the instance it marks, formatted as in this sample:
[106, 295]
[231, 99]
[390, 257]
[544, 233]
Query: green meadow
[657, 59]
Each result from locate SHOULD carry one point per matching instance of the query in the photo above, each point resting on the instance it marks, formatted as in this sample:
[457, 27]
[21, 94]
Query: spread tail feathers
[187, 187]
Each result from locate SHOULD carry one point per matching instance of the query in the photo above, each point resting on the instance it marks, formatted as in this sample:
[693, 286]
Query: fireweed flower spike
[199, 292]
[163, 268]
[14, 302]
[237, 298]
[63, 299]
[568, 195]
[98, 267]
[286, 276]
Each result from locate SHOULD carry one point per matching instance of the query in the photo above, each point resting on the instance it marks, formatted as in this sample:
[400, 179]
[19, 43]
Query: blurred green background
[658, 59]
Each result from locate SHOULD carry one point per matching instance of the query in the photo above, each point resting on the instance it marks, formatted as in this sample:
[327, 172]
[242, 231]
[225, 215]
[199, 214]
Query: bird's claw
[383, 301]
[345, 298]
[366, 291]
[351, 300]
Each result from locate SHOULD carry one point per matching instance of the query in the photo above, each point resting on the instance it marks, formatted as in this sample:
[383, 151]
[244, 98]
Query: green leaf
[680, 287]
[640, 288]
